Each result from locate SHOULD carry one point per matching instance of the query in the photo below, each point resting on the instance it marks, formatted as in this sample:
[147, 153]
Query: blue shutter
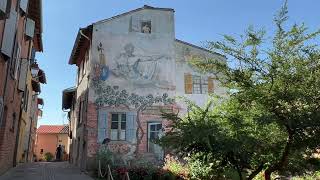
[131, 127]
[9, 33]
[30, 26]
[24, 5]
[102, 125]
[4, 7]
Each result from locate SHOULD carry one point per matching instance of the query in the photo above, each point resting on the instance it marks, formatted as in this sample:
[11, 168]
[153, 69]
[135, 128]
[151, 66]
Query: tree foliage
[272, 117]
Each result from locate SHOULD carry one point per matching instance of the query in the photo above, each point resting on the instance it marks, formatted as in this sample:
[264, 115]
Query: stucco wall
[49, 143]
[184, 53]
[125, 64]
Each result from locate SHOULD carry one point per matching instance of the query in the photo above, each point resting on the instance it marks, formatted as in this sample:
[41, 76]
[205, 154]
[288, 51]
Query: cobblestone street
[45, 171]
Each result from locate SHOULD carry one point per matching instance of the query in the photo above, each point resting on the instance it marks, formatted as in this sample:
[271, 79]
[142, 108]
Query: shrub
[175, 167]
[105, 158]
[48, 156]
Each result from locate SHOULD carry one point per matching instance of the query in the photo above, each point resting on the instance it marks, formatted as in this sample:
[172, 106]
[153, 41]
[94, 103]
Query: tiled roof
[53, 129]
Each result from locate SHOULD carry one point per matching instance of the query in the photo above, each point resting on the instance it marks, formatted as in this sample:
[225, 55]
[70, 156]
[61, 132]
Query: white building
[129, 67]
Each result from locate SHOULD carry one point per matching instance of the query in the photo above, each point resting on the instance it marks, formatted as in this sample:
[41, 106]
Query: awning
[67, 97]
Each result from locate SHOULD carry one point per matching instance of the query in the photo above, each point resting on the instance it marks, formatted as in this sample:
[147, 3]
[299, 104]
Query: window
[195, 84]
[118, 126]
[41, 151]
[154, 133]
[146, 27]
[199, 85]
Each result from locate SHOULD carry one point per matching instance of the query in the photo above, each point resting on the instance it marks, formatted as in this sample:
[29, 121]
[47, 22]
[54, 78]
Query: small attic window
[146, 27]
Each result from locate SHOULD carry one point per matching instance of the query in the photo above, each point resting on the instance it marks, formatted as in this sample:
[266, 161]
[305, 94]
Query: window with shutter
[9, 34]
[24, 67]
[188, 83]
[24, 5]
[118, 126]
[29, 30]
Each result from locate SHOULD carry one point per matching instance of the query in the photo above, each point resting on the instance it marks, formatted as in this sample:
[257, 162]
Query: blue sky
[195, 22]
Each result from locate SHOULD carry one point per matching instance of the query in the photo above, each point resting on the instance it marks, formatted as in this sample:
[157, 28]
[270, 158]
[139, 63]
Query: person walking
[58, 153]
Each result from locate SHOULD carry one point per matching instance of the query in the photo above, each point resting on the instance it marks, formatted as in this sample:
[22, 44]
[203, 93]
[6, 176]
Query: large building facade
[130, 68]
[20, 39]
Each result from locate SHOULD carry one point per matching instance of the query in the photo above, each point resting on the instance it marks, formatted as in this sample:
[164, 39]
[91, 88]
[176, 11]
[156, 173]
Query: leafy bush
[199, 169]
[177, 168]
[105, 158]
[48, 156]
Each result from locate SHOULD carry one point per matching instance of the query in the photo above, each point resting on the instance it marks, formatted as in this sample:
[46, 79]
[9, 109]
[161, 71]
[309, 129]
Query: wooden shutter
[188, 83]
[24, 5]
[131, 127]
[102, 125]
[210, 85]
[29, 30]
[23, 74]
[9, 33]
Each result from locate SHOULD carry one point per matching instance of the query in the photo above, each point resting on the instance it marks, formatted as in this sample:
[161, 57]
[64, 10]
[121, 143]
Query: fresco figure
[135, 67]
[104, 68]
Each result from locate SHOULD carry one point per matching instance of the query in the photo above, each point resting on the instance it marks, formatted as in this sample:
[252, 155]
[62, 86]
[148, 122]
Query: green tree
[223, 137]
[282, 76]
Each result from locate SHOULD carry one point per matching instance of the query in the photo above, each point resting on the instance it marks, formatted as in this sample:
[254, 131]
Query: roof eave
[79, 39]
[134, 10]
[67, 94]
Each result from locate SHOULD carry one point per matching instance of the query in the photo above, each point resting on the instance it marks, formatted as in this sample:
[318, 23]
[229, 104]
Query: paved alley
[45, 171]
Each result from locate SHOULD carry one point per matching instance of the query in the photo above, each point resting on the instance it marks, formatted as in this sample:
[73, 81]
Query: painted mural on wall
[142, 70]
[107, 95]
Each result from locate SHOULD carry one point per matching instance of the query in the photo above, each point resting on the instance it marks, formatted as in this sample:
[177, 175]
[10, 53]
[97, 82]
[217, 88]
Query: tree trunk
[138, 132]
[284, 159]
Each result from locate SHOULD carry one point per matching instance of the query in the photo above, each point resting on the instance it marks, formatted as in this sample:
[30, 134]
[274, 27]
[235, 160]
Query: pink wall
[47, 142]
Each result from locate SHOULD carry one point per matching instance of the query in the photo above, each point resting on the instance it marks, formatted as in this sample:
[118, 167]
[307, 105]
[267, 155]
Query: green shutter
[131, 127]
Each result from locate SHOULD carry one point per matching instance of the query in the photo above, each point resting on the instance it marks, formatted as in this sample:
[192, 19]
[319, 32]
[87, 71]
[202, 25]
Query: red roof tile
[53, 129]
